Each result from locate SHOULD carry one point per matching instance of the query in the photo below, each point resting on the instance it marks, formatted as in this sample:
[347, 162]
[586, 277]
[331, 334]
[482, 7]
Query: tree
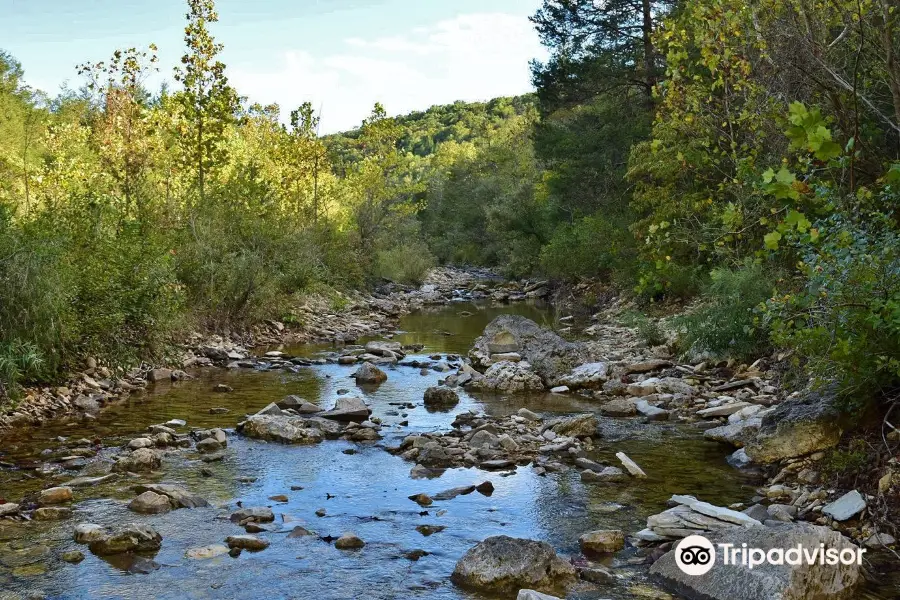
[207, 101]
[597, 47]
[124, 136]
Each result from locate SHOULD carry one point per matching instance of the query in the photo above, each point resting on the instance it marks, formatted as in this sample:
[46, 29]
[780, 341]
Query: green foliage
[594, 247]
[844, 316]
[648, 329]
[728, 323]
[407, 263]
[18, 361]
[847, 460]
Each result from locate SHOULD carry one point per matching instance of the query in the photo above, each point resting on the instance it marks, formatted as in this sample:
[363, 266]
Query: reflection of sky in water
[370, 488]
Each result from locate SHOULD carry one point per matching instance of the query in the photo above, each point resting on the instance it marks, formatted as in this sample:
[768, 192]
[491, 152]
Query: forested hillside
[747, 154]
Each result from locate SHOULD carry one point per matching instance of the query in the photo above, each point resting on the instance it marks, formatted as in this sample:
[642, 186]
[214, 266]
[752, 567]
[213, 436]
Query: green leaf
[771, 239]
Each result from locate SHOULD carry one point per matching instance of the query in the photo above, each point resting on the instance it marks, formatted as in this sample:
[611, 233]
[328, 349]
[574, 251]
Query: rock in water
[131, 538]
[178, 496]
[348, 409]
[504, 565]
[772, 582]
[602, 541]
[369, 373]
[55, 495]
[139, 461]
[576, 426]
[349, 541]
[550, 356]
[246, 542]
[289, 430]
[150, 503]
[440, 397]
[85, 533]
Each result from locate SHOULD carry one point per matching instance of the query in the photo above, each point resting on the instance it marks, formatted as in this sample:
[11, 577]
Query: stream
[361, 487]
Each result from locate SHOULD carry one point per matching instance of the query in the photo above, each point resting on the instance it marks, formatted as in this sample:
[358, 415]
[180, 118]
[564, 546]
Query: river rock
[157, 375]
[208, 446]
[846, 507]
[348, 409]
[246, 542]
[510, 378]
[736, 434]
[630, 466]
[253, 514]
[85, 533]
[772, 582]
[369, 373]
[584, 425]
[440, 397]
[178, 496]
[139, 461]
[289, 430]
[207, 552]
[619, 407]
[349, 541]
[51, 513]
[602, 541]
[587, 376]
[298, 405]
[141, 442]
[150, 503]
[504, 565]
[55, 495]
[130, 538]
[691, 516]
[807, 424]
[550, 356]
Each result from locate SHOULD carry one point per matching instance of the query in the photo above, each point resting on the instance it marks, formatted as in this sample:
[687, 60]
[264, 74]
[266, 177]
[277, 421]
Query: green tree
[207, 101]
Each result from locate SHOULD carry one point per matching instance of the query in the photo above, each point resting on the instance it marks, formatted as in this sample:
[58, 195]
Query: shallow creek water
[365, 492]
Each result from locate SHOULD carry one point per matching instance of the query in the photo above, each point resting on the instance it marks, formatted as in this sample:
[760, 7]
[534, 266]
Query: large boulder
[504, 565]
[369, 373]
[440, 397]
[150, 503]
[550, 356]
[510, 378]
[797, 427]
[348, 409]
[772, 582]
[289, 430]
[130, 538]
[589, 375]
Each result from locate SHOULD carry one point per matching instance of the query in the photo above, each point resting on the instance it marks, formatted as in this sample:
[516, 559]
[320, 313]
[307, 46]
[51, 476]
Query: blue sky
[343, 55]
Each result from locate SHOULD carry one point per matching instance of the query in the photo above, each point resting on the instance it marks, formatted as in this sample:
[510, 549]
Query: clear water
[365, 492]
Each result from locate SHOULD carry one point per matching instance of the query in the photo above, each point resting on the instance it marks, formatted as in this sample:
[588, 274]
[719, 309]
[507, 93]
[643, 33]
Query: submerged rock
[349, 541]
[504, 565]
[246, 542]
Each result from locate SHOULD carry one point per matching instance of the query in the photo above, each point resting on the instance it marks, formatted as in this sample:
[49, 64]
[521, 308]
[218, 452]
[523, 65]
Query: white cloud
[470, 57]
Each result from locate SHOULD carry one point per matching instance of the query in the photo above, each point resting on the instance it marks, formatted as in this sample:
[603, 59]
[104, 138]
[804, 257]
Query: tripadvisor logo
[696, 555]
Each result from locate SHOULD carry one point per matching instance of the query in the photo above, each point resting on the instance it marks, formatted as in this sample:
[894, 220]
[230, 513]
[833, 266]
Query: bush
[407, 263]
[727, 324]
[18, 361]
[844, 319]
[648, 329]
[595, 246]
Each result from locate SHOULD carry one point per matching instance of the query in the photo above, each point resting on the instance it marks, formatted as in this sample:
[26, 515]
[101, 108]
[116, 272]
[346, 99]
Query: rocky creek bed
[300, 471]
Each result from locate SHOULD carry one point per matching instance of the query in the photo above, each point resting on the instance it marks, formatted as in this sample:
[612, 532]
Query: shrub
[727, 323]
[844, 318]
[648, 329]
[407, 263]
[595, 246]
[18, 361]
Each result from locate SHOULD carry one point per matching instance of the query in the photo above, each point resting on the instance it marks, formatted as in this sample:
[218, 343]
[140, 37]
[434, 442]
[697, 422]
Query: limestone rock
[504, 565]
